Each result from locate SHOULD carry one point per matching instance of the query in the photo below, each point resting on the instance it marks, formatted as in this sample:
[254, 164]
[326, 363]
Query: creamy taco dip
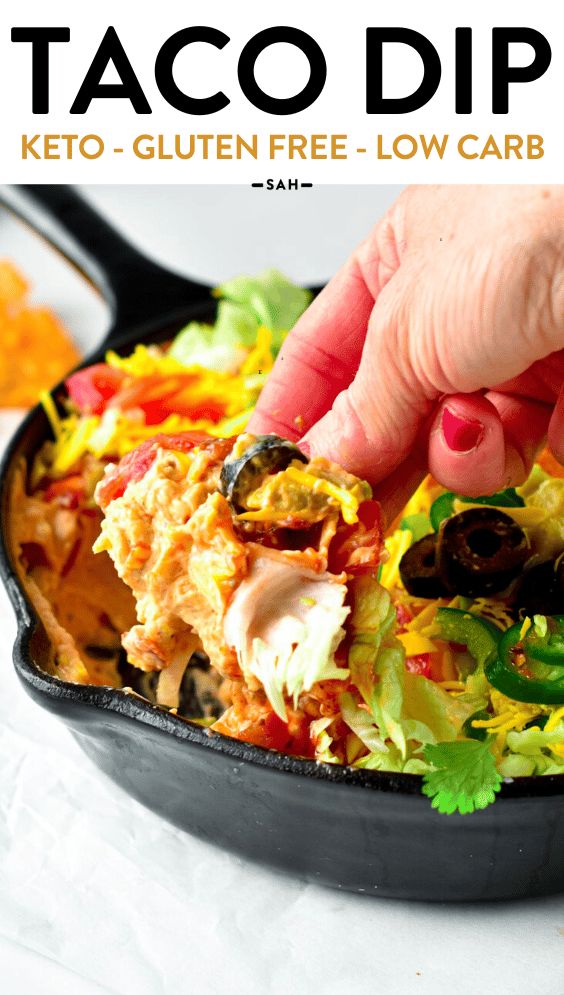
[251, 589]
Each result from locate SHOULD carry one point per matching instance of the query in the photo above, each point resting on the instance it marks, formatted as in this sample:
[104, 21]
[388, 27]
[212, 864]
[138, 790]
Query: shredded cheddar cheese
[493, 610]
[115, 434]
[397, 544]
[525, 627]
[554, 719]
[423, 620]
[260, 359]
[415, 643]
[145, 361]
[508, 715]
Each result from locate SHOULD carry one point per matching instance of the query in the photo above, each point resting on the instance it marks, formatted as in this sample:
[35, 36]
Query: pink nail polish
[462, 435]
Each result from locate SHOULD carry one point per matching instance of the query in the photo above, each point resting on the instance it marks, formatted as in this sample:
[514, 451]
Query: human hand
[439, 345]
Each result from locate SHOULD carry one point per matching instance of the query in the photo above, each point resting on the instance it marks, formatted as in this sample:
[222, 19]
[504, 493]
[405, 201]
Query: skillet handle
[137, 290]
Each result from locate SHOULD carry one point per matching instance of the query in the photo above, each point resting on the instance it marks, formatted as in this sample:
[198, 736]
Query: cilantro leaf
[465, 776]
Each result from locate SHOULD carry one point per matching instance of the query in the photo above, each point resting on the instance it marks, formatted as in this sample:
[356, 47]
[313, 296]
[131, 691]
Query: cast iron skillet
[363, 831]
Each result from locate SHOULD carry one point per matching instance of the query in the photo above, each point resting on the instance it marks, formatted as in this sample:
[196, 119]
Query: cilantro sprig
[464, 777]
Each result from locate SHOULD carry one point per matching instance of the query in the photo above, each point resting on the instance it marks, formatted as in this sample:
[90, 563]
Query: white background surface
[97, 894]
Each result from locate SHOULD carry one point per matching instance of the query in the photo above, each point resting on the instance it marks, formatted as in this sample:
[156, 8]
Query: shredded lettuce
[361, 723]
[285, 625]
[536, 477]
[416, 766]
[273, 300]
[323, 741]
[387, 698]
[390, 761]
[246, 303]
[514, 765]
[376, 658]
[394, 762]
[402, 712]
[419, 525]
[531, 742]
[372, 619]
[547, 494]
[309, 658]
[420, 733]
[441, 713]
[236, 324]
[221, 347]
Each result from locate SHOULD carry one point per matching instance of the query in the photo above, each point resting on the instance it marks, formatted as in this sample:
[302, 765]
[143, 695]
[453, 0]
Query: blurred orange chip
[35, 349]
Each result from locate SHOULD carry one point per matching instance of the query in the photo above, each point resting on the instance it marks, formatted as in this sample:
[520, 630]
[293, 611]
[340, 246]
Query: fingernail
[461, 435]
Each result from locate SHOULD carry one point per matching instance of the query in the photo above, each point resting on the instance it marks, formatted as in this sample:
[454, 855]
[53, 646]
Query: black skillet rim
[134, 707]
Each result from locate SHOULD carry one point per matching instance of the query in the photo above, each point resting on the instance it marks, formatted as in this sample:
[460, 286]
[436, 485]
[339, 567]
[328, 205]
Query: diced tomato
[101, 386]
[68, 492]
[420, 664]
[403, 615]
[159, 396]
[135, 464]
[270, 732]
[357, 549]
[157, 411]
[442, 665]
[274, 734]
[72, 558]
[34, 555]
[91, 389]
[300, 744]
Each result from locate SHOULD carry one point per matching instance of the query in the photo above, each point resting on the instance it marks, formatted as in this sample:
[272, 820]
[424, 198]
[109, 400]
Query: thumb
[556, 428]
[480, 444]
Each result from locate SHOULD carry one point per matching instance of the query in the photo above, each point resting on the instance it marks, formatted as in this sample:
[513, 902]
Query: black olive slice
[240, 475]
[540, 591]
[418, 571]
[480, 551]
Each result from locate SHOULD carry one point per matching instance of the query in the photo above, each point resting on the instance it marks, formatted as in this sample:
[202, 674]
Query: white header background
[534, 108]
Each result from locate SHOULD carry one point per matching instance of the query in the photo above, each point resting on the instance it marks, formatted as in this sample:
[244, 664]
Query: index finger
[318, 359]
[321, 355]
